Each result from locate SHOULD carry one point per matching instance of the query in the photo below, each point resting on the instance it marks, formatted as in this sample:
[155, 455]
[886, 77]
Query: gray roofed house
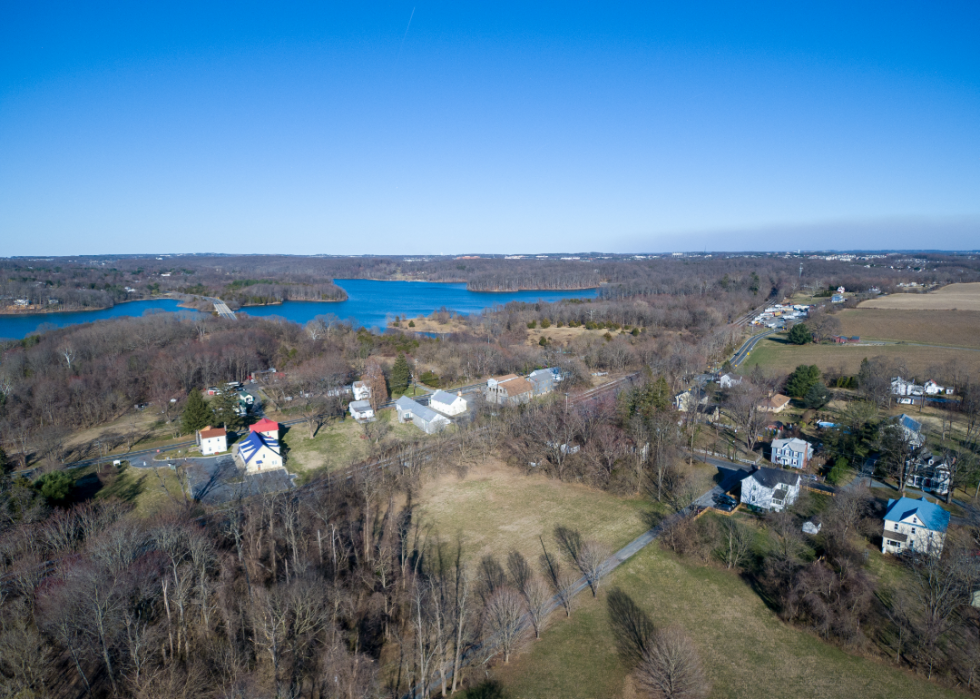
[543, 380]
[425, 418]
[448, 403]
[770, 489]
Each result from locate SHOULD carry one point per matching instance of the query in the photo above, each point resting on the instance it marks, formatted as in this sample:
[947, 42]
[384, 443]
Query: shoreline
[463, 281]
[86, 309]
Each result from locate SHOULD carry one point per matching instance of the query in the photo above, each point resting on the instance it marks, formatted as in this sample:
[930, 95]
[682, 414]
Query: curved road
[743, 352]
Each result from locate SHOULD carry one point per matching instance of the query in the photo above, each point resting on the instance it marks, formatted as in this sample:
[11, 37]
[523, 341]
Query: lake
[369, 303]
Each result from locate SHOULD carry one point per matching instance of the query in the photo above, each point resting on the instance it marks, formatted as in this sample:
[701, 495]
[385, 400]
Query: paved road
[743, 352]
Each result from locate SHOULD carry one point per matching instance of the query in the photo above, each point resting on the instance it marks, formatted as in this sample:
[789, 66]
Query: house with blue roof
[915, 525]
[912, 429]
[259, 452]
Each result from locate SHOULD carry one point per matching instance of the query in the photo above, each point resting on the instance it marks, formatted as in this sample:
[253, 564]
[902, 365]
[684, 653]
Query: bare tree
[671, 668]
[502, 621]
[737, 542]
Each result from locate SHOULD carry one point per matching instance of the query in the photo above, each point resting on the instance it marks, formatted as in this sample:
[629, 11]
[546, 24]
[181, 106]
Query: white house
[686, 401]
[770, 489]
[212, 440]
[426, 419]
[509, 390]
[793, 452]
[361, 391]
[914, 525]
[729, 380]
[932, 388]
[901, 387]
[258, 452]
[266, 427]
[447, 403]
[361, 410]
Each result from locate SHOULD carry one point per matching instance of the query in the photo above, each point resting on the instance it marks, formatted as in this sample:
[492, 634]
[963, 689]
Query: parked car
[725, 503]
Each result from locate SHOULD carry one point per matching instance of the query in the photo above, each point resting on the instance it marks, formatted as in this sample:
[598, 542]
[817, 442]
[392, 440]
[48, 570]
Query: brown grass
[957, 328]
[428, 325]
[779, 355]
[962, 297]
[745, 649]
[497, 508]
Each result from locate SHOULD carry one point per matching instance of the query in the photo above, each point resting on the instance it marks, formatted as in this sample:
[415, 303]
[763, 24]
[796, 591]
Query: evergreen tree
[800, 334]
[816, 396]
[55, 486]
[197, 413]
[802, 379]
[401, 374]
[223, 408]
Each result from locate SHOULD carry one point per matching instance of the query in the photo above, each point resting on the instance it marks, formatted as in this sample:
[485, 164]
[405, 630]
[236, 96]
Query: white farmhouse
[729, 380]
[770, 489]
[258, 452]
[361, 390]
[914, 525]
[793, 452]
[212, 440]
[447, 403]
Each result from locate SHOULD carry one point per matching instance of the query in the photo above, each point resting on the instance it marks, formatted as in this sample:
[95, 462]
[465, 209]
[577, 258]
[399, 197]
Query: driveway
[219, 480]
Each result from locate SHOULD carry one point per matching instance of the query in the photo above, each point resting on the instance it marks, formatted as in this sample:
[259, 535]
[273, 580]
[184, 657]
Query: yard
[149, 490]
[338, 443]
[776, 352]
[746, 650]
[496, 508]
[938, 327]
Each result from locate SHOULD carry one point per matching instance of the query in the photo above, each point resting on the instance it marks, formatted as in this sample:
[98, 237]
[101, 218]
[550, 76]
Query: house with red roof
[266, 428]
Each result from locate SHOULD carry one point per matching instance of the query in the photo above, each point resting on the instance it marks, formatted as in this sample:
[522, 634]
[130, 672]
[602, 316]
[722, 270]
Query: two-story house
[794, 452]
[914, 525]
[770, 489]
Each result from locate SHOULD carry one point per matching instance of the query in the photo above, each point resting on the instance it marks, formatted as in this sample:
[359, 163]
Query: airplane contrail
[406, 33]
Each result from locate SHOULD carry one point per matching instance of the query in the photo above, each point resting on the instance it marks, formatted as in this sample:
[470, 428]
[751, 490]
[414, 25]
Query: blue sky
[128, 128]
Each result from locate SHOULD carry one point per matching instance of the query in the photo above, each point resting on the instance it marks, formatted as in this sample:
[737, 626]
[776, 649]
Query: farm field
[956, 328]
[746, 650]
[496, 508]
[962, 297]
[777, 353]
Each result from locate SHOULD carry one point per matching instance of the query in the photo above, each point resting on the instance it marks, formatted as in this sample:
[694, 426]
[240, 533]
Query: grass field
[957, 328]
[962, 297]
[337, 444]
[777, 353]
[149, 490]
[746, 650]
[497, 508]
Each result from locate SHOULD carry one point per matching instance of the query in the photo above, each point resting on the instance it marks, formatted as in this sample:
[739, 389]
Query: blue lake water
[20, 326]
[369, 303]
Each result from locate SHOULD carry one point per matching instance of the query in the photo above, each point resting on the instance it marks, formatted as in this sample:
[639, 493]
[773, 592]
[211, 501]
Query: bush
[545, 323]
[543, 341]
[634, 332]
[532, 325]
[802, 379]
[411, 323]
[55, 486]
[839, 470]
[816, 396]
[429, 378]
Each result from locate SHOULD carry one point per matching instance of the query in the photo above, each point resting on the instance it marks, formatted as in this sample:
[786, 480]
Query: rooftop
[772, 477]
[418, 410]
[932, 515]
[264, 425]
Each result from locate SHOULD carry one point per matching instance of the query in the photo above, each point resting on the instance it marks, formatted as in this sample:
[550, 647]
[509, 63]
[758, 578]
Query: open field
[957, 328]
[777, 353]
[962, 297]
[338, 443]
[430, 325]
[746, 650]
[497, 508]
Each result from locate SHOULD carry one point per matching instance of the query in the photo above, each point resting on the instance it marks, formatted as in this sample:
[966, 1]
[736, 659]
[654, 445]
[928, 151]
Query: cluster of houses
[910, 524]
[775, 317]
[910, 393]
[258, 452]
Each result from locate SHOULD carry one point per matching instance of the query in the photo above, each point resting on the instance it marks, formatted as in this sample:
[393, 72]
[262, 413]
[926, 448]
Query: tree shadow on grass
[86, 487]
[490, 689]
[126, 485]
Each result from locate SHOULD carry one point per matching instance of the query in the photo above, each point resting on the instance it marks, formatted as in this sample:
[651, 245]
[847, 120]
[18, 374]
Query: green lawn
[746, 650]
[149, 490]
